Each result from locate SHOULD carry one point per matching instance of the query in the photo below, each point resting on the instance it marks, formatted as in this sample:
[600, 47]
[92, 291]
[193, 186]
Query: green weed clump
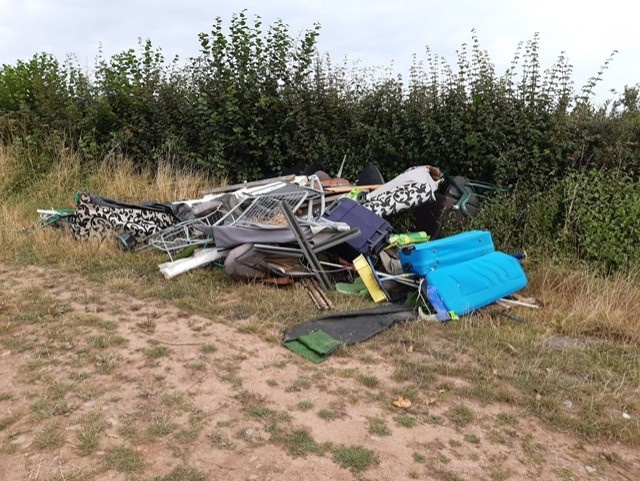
[355, 458]
[124, 459]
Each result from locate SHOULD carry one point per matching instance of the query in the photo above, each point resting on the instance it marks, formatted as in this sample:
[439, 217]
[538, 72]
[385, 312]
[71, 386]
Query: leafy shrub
[603, 217]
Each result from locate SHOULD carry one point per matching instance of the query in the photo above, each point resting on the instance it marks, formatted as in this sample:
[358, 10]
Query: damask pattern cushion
[94, 218]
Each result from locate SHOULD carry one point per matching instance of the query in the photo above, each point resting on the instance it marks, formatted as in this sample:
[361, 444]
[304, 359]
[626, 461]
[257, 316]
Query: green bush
[591, 215]
[603, 214]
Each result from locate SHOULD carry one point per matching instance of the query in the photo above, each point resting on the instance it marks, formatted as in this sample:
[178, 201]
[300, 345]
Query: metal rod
[306, 248]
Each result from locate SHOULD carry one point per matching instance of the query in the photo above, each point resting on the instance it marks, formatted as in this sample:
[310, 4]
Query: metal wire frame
[265, 209]
[186, 234]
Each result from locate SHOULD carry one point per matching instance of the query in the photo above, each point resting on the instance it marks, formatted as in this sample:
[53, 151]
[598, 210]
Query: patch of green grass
[34, 365]
[182, 473]
[91, 427]
[369, 381]
[300, 384]
[8, 449]
[300, 442]
[197, 366]
[34, 376]
[460, 415]
[328, 415]
[7, 421]
[271, 382]
[232, 379]
[79, 376]
[148, 326]
[406, 421]
[46, 408]
[419, 458]
[486, 391]
[186, 436]
[252, 327]
[251, 436]
[442, 458]
[420, 374]
[278, 364]
[106, 363]
[208, 349]
[6, 396]
[94, 320]
[17, 344]
[157, 351]
[378, 427]
[497, 473]
[433, 420]
[304, 405]
[368, 358]
[175, 400]
[565, 475]
[161, 426]
[103, 341]
[123, 459]
[51, 437]
[225, 423]
[59, 390]
[413, 474]
[58, 310]
[471, 439]
[354, 458]
[261, 412]
[446, 475]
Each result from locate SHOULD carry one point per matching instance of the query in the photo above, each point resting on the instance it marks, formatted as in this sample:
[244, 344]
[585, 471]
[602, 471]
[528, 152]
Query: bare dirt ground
[99, 385]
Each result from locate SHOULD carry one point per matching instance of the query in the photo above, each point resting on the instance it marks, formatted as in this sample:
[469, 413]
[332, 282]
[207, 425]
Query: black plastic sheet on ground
[355, 326]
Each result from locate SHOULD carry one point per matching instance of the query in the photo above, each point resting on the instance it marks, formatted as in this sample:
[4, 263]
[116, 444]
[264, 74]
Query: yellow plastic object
[366, 273]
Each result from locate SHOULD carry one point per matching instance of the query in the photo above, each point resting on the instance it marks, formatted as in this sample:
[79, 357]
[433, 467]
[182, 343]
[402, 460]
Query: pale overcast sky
[373, 32]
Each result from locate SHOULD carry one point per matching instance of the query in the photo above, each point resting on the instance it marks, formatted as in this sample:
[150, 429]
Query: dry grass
[580, 302]
[115, 177]
[118, 178]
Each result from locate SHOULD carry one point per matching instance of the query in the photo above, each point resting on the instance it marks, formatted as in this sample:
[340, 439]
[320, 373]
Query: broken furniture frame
[185, 234]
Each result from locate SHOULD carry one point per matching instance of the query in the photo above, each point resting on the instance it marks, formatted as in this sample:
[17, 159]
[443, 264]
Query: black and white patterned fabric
[403, 197]
[99, 217]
